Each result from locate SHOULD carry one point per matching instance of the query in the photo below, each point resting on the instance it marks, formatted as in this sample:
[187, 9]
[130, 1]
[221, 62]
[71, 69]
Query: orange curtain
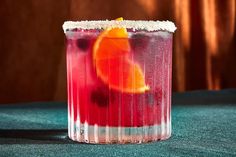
[204, 45]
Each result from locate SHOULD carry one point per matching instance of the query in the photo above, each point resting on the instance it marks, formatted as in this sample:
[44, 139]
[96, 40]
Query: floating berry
[139, 41]
[83, 44]
[150, 98]
[101, 96]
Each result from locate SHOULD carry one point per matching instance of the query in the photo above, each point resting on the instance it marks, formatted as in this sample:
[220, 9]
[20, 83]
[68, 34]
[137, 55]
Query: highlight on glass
[119, 80]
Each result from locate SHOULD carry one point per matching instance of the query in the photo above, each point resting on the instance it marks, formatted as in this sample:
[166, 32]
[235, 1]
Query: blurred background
[32, 47]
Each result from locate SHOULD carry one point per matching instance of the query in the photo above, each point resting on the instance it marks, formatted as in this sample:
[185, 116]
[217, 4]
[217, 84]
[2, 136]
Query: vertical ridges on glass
[137, 130]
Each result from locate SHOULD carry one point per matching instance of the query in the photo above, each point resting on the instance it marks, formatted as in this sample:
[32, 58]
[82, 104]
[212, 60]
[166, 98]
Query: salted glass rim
[129, 24]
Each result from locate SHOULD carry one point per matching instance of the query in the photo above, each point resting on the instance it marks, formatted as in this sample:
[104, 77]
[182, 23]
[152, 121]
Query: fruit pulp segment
[92, 101]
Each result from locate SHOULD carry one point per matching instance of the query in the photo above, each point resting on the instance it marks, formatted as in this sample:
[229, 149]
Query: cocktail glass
[119, 80]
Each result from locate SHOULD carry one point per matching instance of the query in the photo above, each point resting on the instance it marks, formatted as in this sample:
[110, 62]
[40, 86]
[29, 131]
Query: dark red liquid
[90, 100]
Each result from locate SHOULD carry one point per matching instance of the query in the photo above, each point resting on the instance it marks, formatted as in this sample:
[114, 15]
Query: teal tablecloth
[204, 124]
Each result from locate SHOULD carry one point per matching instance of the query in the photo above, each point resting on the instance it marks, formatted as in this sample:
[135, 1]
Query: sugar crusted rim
[129, 24]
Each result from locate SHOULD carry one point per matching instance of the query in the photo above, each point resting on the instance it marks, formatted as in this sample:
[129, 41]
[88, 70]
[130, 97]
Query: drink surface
[93, 101]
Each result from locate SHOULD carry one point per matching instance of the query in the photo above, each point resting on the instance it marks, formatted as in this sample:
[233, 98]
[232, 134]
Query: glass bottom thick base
[95, 134]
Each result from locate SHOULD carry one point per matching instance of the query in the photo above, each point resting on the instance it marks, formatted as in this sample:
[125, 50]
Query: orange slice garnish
[113, 64]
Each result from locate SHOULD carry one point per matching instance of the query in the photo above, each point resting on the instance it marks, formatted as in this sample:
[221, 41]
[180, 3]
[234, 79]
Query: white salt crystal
[129, 24]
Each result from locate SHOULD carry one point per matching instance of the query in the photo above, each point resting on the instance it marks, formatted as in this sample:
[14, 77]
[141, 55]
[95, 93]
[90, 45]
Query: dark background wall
[32, 50]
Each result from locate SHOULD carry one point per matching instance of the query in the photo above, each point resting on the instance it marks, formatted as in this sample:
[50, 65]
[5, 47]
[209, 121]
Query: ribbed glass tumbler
[119, 80]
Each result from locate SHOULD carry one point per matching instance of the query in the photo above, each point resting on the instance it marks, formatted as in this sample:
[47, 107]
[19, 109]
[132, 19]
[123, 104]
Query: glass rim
[129, 24]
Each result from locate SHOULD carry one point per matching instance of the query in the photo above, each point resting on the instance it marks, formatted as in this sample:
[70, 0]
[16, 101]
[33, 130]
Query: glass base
[105, 135]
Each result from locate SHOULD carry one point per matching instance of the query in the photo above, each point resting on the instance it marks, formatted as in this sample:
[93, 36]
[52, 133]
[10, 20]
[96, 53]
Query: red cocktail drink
[119, 81]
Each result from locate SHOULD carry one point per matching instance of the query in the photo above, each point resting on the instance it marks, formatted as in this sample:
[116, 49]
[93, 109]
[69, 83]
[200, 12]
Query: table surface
[203, 124]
